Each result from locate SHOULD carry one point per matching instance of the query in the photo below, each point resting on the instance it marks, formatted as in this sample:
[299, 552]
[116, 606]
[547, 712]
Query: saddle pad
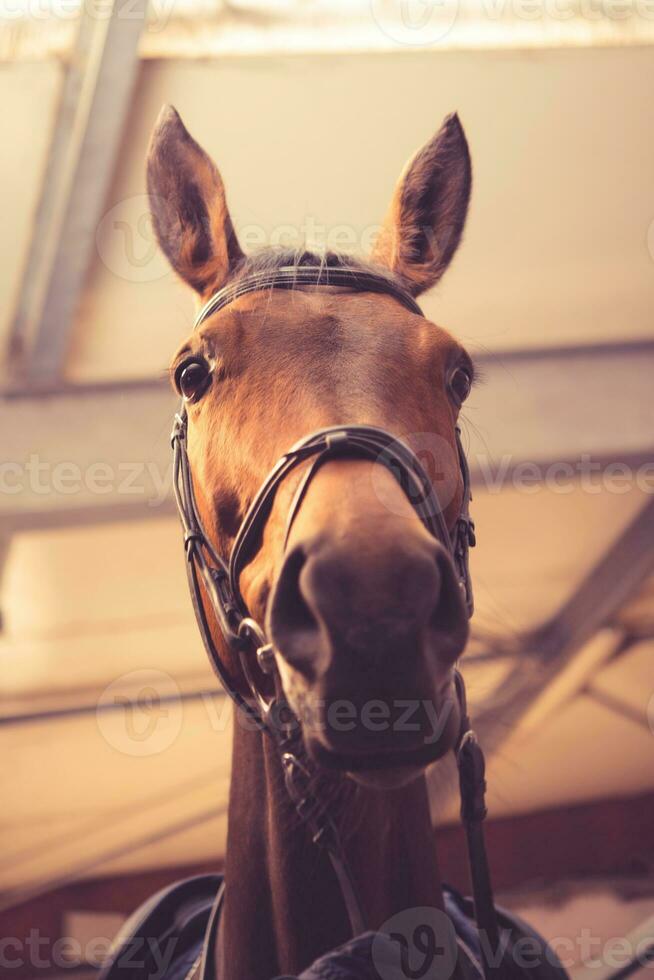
[172, 936]
[165, 935]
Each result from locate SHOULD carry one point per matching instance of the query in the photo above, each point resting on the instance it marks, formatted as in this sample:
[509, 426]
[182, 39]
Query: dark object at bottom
[172, 936]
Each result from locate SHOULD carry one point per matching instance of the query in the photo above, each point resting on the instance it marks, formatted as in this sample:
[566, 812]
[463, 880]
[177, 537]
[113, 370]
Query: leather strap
[359, 441]
[472, 786]
[292, 277]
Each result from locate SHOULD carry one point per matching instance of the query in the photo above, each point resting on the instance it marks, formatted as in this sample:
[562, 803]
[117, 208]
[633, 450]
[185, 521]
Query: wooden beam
[559, 404]
[94, 105]
[543, 654]
[87, 457]
[572, 678]
[102, 453]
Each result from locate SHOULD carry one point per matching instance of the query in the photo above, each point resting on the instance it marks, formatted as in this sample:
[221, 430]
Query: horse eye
[192, 379]
[460, 383]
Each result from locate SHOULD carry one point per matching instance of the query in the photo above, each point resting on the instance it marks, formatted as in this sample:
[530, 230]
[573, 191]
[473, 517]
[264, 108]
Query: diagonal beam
[544, 653]
[94, 104]
[5, 544]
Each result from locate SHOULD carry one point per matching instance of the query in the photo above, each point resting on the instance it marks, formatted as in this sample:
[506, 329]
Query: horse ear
[424, 225]
[188, 205]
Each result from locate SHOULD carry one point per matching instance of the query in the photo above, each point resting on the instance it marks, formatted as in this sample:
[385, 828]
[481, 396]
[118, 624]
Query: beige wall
[563, 147]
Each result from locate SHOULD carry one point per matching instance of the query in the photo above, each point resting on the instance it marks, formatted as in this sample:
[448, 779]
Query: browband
[290, 277]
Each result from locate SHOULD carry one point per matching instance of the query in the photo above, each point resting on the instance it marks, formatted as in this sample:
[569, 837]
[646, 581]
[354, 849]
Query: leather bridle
[265, 706]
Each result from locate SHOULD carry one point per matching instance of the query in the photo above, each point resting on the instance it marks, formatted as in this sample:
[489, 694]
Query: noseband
[246, 638]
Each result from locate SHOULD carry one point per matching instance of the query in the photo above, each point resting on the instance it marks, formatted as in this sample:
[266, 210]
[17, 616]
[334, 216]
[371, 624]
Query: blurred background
[114, 738]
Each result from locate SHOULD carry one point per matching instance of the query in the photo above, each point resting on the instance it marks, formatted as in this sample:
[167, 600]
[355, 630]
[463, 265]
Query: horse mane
[267, 260]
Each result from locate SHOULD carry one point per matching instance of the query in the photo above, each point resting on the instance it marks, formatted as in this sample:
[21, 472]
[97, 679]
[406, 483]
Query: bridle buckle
[336, 440]
[266, 658]
[472, 537]
[179, 428]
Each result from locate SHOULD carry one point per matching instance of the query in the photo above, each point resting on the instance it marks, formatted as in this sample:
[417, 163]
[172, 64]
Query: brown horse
[361, 603]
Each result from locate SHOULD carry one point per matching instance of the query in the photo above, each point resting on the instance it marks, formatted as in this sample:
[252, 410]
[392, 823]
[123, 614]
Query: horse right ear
[188, 205]
[423, 228]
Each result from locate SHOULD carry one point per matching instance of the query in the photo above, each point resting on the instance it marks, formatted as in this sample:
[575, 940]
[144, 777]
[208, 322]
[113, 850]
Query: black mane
[270, 259]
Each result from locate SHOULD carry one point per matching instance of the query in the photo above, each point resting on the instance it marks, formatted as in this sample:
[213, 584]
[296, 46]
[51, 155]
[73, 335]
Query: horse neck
[283, 906]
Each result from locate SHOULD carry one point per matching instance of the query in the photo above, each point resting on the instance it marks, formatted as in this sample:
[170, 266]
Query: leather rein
[246, 638]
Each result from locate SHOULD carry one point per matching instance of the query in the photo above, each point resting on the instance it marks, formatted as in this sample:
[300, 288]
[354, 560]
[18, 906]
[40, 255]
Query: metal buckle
[179, 428]
[472, 537]
[250, 631]
[336, 439]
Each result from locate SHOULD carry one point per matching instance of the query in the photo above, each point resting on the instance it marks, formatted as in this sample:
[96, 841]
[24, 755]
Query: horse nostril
[339, 607]
[293, 628]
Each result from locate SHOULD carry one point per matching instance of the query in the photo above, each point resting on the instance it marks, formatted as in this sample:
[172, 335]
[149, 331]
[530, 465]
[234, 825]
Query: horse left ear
[424, 225]
[189, 210]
